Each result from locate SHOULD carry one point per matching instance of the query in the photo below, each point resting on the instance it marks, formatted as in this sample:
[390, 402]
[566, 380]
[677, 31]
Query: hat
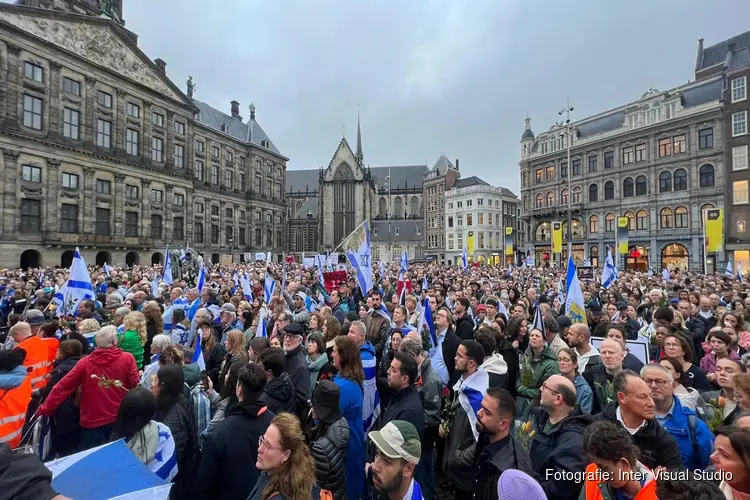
[204, 323]
[595, 308]
[622, 305]
[325, 402]
[517, 485]
[34, 317]
[481, 307]
[228, 307]
[564, 322]
[301, 295]
[113, 301]
[398, 439]
[293, 329]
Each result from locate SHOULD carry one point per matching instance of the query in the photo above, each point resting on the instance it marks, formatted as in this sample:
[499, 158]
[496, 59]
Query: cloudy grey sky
[431, 77]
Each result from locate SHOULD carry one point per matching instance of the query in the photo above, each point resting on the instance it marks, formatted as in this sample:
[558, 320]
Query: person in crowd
[223, 401]
[228, 322]
[150, 441]
[558, 441]
[634, 410]
[154, 326]
[732, 460]
[316, 355]
[295, 365]
[287, 468]
[679, 347]
[329, 441]
[278, 393]
[103, 378]
[405, 403]
[370, 406]
[65, 429]
[174, 411]
[567, 362]
[579, 338]
[443, 356]
[37, 353]
[24, 477]
[213, 352]
[540, 362]
[158, 344]
[600, 377]
[720, 343]
[692, 434]
[630, 362]
[724, 399]
[689, 397]
[235, 347]
[227, 468]
[398, 451]
[496, 450]
[464, 325]
[377, 328]
[494, 363]
[615, 470]
[134, 336]
[15, 395]
[552, 338]
[180, 333]
[385, 362]
[256, 347]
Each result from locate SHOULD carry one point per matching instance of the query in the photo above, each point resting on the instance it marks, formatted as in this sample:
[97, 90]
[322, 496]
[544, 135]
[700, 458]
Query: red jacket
[97, 374]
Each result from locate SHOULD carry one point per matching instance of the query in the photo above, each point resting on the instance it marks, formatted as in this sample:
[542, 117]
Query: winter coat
[378, 330]
[465, 327]
[278, 394]
[600, 383]
[130, 341]
[329, 450]
[631, 362]
[509, 354]
[458, 460]
[450, 347]
[405, 405]
[234, 325]
[227, 468]
[314, 367]
[492, 459]
[100, 397]
[180, 418]
[497, 369]
[584, 396]
[677, 424]
[559, 449]
[350, 404]
[213, 359]
[24, 476]
[658, 448]
[430, 390]
[543, 365]
[295, 365]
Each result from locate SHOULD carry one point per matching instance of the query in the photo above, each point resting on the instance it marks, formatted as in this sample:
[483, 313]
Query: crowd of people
[438, 381]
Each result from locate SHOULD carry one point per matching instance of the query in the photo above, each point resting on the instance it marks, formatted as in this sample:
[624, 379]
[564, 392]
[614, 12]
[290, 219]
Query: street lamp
[231, 247]
[387, 184]
[567, 110]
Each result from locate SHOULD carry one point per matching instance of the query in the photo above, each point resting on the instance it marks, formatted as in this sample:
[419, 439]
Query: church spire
[360, 157]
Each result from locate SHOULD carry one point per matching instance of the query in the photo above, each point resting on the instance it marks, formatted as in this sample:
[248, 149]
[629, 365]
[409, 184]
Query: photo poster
[638, 348]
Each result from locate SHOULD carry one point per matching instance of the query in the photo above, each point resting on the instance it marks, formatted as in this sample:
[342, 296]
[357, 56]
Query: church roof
[408, 230]
[250, 132]
[442, 165]
[310, 205]
[401, 176]
[302, 180]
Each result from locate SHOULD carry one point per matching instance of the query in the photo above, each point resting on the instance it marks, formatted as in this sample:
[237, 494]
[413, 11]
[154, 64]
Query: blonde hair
[136, 321]
[295, 478]
[236, 344]
[89, 325]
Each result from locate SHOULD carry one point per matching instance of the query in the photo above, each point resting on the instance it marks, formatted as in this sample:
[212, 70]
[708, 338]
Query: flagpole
[347, 236]
[705, 248]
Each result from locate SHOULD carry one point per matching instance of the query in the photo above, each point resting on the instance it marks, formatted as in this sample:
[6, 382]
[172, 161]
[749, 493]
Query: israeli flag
[665, 274]
[164, 463]
[107, 270]
[155, 285]
[510, 270]
[181, 303]
[586, 262]
[650, 273]
[262, 324]
[609, 275]
[739, 272]
[382, 270]
[236, 282]
[269, 286]
[383, 312]
[404, 262]
[247, 290]
[183, 255]
[283, 276]
[167, 278]
[729, 271]
[560, 293]
[465, 259]
[193, 309]
[371, 399]
[77, 288]
[470, 394]
[201, 279]
[425, 319]
[198, 354]
[319, 263]
[424, 283]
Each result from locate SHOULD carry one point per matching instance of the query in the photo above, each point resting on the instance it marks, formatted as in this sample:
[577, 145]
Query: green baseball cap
[398, 439]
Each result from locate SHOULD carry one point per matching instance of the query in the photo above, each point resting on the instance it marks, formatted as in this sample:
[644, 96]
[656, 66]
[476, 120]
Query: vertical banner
[623, 231]
[470, 244]
[557, 237]
[509, 240]
[714, 227]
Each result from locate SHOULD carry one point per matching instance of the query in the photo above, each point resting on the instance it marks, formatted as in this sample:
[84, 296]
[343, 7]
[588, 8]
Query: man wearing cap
[295, 365]
[330, 439]
[398, 450]
[297, 303]
[229, 321]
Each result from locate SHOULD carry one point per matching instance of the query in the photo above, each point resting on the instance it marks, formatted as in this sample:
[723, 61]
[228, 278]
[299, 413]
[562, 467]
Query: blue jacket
[584, 396]
[677, 425]
[350, 404]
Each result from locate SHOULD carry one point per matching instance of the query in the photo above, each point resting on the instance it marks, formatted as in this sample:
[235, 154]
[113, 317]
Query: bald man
[600, 377]
[579, 338]
[560, 426]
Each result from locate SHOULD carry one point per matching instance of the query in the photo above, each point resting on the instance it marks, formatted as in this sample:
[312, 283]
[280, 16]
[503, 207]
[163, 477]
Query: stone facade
[658, 161]
[437, 181]
[102, 151]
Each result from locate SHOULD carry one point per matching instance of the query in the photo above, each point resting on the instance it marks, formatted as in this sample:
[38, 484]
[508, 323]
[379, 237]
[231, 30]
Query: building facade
[659, 161]
[439, 179]
[476, 215]
[103, 152]
[730, 59]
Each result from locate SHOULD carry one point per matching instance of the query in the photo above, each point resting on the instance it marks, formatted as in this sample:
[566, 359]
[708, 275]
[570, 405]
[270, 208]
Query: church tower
[111, 9]
[527, 140]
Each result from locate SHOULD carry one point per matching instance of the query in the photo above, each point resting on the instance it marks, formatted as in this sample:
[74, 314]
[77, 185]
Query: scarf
[144, 444]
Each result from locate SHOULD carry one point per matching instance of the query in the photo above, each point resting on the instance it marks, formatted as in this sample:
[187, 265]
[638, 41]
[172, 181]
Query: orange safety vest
[37, 358]
[594, 492]
[13, 404]
[52, 344]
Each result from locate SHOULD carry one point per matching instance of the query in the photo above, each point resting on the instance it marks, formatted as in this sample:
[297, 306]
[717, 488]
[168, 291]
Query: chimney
[236, 110]
[161, 65]
[457, 164]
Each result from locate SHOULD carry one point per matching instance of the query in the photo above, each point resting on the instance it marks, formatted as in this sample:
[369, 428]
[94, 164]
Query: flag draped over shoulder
[371, 399]
[470, 394]
[77, 288]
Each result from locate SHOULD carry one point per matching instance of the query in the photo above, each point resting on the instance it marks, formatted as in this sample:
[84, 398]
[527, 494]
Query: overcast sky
[431, 77]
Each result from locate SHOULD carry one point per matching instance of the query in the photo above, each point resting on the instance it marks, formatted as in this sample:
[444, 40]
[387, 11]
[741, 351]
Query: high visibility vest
[13, 404]
[52, 345]
[594, 484]
[37, 358]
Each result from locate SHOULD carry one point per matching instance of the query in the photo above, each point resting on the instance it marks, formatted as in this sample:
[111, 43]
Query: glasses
[263, 443]
[545, 386]
[656, 381]
[564, 360]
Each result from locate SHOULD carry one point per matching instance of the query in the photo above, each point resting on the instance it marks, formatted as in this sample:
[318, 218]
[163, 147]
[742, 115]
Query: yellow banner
[623, 235]
[470, 243]
[714, 224]
[508, 241]
[557, 237]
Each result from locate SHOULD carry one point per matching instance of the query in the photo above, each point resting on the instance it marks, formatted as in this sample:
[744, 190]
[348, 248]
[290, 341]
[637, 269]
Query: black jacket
[67, 416]
[213, 359]
[227, 469]
[492, 459]
[465, 327]
[405, 405]
[23, 476]
[560, 449]
[505, 349]
[450, 347]
[295, 365]
[278, 394]
[328, 448]
[601, 386]
[180, 419]
[657, 446]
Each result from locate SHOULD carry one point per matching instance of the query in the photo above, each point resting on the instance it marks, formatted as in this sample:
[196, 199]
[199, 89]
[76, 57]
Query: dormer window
[223, 127]
[264, 143]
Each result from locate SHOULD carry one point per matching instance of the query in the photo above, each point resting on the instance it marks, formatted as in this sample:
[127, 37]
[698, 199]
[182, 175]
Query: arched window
[578, 230]
[641, 186]
[550, 199]
[705, 207]
[628, 188]
[641, 220]
[665, 182]
[382, 207]
[665, 217]
[564, 197]
[576, 195]
[680, 180]
[681, 218]
[593, 192]
[544, 232]
[594, 224]
[594, 254]
[414, 206]
[398, 207]
[539, 200]
[631, 220]
[609, 190]
[609, 223]
[707, 176]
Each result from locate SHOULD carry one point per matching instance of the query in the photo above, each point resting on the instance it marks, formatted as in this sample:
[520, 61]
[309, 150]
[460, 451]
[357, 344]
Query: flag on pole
[404, 262]
[609, 275]
[107, 271]
[77, 288]
[167, 278]
[729, 271]
[183, 255]
[538, 323]
[739, 272]
[201, 279]
[319, 263]
[575, 308]
[198, 354]
[269, 287]
[247, 290]
[357, 248]
[382, 270]
[665, 274]
[465, 259]
[262, 330]
[424, 283]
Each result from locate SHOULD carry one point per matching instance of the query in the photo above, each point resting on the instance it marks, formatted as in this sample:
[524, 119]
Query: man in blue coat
[693, 436]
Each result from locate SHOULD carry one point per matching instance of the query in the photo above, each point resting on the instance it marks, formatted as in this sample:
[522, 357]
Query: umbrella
[108, 471]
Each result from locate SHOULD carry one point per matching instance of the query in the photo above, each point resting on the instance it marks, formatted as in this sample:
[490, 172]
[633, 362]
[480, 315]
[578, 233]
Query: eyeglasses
[263, 443]
[545, 386]
[564, 360]
[657, 381]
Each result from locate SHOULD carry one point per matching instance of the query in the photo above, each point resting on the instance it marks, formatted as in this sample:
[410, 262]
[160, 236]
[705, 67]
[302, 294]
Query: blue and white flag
[465, 259]
[247, 290]
[262, 330]
[510, 270]
[269, 287]
[650, 273]
[319, 263]
[470, 394]
[107, 270]
[729, 271]
[357, 246]
[167, 278]
[200, 283]
[371, 398]
[609, 275]
[283, 276]
[560, 293]
[155, 285]
[575, 308]
[164, 463]
[382, 270]
[77, 288]
[586, 262]
[183, 255]
[236, 280]
[383, 312]
[665, 274]
[739, 272]
[538, 323]
[181, 303]
[198, 354]
[424, 283]
[404, 262]
[425, 320]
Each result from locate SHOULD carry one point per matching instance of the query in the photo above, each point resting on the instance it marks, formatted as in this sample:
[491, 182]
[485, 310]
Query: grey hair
[161, 341]
[656, 366]
[412, 346]
[361, 326]
[122, 311]
[106, 337]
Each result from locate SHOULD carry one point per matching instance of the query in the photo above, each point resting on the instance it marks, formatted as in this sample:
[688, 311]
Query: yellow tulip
[531, 434]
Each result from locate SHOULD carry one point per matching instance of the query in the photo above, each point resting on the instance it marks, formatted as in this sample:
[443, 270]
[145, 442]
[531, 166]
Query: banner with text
[557, 237]
[622, 235]
[509, 241]
[714, 224]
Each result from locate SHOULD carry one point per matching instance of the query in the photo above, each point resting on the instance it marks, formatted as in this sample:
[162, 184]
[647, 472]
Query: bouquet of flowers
[446, 419]
[716, 409]
[527, 374]
[525, 435]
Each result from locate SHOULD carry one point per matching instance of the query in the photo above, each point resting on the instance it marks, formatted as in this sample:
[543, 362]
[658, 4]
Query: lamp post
[567, 110]
[387, 184]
